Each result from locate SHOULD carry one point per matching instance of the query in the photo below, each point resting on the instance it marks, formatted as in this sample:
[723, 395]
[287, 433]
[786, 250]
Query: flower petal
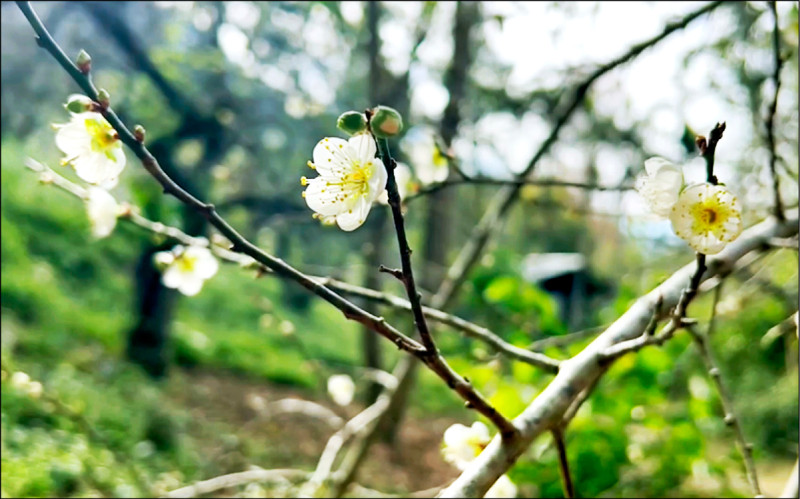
[362, 147]
[191, 285]
[72, 139]
[173, 277]
[377, 182]
[102, 212]
[330, 157]
[653, 165]
[352, 219]
[327, 196]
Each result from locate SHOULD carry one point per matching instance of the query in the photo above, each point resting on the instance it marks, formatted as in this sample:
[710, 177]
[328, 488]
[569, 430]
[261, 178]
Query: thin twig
[431, 356]
[207, 210]
[468, 328]
[579, 372]
[708, 147]
[730, 417]
[565, 339]
[484, 181]
[770, 122]
[426, 353]
[406, 275]
[563, 463]
[504, 199]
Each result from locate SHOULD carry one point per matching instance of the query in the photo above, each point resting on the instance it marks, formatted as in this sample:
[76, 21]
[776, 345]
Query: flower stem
[406, 274]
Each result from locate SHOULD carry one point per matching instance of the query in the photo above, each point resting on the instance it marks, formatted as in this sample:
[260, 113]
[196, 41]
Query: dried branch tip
[701, 143]
[84, 62]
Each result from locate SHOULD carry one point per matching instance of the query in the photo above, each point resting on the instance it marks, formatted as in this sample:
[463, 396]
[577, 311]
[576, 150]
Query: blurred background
[145, 390]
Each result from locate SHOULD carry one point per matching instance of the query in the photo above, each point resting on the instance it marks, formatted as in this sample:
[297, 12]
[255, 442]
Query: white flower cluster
[462, 444]
[92, 147]
[706, 216]
[185, 269]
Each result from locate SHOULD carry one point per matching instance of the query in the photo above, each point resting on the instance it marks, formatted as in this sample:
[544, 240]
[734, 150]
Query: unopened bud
[386, 122]
[84, 62]
[352, 122]
[78, 103]
[163, 259]
[103, 98]
[139, 132]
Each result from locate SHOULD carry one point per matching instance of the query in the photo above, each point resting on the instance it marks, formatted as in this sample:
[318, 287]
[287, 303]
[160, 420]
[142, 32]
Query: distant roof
[538, 267]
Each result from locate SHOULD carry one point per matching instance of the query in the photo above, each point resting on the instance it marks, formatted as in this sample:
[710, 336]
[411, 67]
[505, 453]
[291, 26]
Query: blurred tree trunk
[147, 340]
[440, 213]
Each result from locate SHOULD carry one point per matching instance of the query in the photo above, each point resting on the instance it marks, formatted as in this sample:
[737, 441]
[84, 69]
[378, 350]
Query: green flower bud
[386, 122]
[78, 103]
[352, 122]
[84, 61]
[103, 98]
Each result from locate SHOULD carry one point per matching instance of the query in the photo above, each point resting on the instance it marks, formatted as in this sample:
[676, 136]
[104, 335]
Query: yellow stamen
[303, 181]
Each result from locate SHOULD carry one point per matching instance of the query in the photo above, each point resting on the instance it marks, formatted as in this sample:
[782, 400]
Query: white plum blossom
[92, 147]
[102, 210]
[341, 389]
[350, 179]
[660, 186]
[708, 217]
[185, 269]
[462, 444]
[404, 178]
[503, 487]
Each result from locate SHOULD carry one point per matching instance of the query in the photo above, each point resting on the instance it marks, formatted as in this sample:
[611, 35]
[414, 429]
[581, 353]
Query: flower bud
[163, 259]
[386, 122]
[78, 103]
[103, 98]
[84, 62]
[352, 122]
[139, 133]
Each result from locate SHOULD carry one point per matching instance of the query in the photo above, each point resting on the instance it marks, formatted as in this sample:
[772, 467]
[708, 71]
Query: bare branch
[470, 180]
[731, 419]
[430, 356]
[503, 200]
[207, 210]
[563, 463]
[579, 372]
[235, 480]
[770, 121]
[470, 329]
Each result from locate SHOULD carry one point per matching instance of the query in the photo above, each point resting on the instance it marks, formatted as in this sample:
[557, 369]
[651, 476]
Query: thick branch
[581, 371]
